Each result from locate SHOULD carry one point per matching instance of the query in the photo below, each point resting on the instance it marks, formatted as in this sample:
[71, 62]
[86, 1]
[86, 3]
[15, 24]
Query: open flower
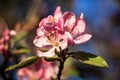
[60, 30]
[50, 34]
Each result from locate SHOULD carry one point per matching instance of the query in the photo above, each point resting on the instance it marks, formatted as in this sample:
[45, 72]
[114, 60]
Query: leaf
[88, 58]
[29, 61]
[21, 51]
[20, 37]
[54, 58]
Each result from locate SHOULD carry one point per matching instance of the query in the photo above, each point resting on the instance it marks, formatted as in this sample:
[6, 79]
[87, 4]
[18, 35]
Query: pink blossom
[4, 41]
[6, 34]
[50, 34]
[42, 70]
[60, 30]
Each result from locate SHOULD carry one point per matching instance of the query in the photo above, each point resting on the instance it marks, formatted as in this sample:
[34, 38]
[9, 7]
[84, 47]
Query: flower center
[53, 38]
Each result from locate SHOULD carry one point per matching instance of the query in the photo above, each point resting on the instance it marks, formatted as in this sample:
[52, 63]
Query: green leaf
[20, 37]
[54, 58]
[29, 61]
[21, 51]
[88, 58]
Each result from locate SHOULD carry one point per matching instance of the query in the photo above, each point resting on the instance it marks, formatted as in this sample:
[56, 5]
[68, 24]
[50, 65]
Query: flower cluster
[4, 41]
[58, 31]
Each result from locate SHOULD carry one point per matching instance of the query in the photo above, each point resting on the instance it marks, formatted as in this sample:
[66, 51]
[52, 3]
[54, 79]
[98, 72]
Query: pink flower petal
[79, 27]
[45, 21]
[2, 40]
[6, 32]
[60, 23]
[69, 37]
[50, 19]
[57, 13]
[49, 53]
[69, 19]
[41, 41]
[7, 38]
[40, 32]
[82, 39]
[48, 24]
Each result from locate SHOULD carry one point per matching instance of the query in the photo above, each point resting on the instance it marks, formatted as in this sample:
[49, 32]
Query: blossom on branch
[59, 31]
[50, 34]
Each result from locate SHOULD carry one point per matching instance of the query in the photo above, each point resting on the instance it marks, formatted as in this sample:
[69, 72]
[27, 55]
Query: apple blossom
[50, 34]
[59, 30]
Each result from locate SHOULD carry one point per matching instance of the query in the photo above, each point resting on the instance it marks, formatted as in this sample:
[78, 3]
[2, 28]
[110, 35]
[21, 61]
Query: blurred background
[102, 19]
